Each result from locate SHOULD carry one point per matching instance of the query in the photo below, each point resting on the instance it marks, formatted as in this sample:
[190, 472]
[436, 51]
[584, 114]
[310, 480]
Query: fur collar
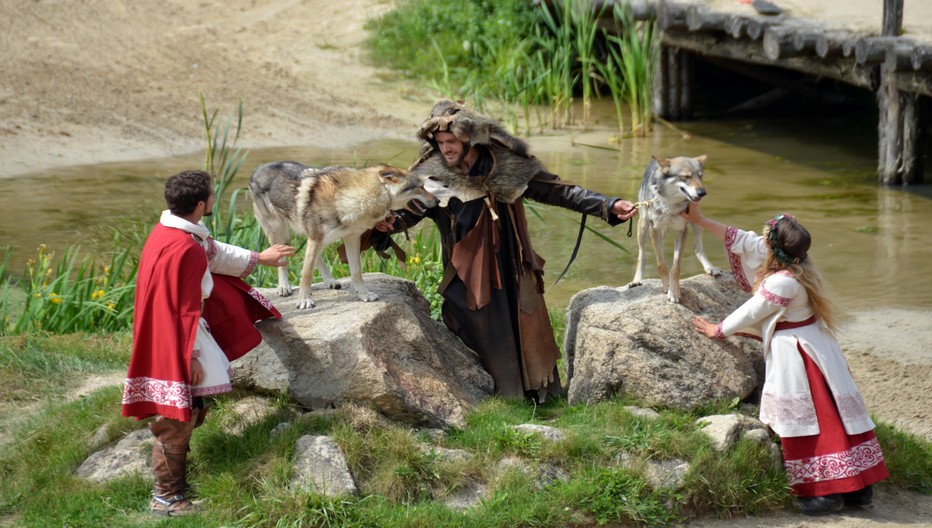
[512, 165]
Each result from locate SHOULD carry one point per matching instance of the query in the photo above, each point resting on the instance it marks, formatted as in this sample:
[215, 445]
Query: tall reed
[63, 295]
[634, 54]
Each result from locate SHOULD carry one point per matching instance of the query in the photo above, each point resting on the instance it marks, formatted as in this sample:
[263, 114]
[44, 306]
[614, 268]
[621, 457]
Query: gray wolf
[327, 204]
[667, 189]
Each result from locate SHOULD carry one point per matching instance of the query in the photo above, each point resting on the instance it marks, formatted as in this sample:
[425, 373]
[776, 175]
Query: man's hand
[624, 209]
[197, 372]
[704, 327]
[276, 255]
[387, 225]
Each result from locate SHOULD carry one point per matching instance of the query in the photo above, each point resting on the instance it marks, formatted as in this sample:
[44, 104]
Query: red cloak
[231, 312]
[167, 310]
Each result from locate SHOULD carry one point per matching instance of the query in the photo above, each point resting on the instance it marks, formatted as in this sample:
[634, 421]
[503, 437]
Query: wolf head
[406, 189]
[681, 175]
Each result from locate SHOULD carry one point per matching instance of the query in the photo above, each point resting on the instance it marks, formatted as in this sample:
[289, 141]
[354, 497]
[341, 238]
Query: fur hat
[470, 127]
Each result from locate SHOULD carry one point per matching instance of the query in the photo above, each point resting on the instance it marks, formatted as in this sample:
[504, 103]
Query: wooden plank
[736, 26]
[757, 25]
[872, 50]
[708, 44]
[922, 58]
[804, 39]
[671, 15]
[700, 18]
[778, 42]
[899, 57]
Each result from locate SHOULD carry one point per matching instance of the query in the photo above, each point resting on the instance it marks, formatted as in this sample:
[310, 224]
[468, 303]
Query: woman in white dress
[809, 398]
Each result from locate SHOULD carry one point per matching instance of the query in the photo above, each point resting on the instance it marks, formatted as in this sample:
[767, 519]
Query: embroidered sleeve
[718, 332]
[746, 252]
[227, 259]
[746, 319]
[779, 288]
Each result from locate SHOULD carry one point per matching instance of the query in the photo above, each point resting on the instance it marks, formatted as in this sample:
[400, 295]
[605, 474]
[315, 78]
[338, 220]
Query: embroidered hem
[834, 466]
[160, 392]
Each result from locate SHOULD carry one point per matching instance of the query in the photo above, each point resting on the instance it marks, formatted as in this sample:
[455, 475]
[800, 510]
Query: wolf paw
[285, 291]
[368, 296]
[332, 284]
[715, 272]
[305, 304]
[674, 297]
[634, 284]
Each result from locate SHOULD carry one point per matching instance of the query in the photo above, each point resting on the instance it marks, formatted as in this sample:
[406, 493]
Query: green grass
[244, 476]
[523, 62]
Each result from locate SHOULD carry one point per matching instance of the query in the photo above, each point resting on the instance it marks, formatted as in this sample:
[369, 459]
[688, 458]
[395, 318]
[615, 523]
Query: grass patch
[244, 473]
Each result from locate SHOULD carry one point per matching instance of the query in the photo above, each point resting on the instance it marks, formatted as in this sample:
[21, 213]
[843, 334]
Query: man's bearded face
[453, 150]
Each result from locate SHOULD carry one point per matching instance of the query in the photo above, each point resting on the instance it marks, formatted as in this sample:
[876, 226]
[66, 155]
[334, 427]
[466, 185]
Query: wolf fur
[514, 165]
[668, 187]
[327, 204]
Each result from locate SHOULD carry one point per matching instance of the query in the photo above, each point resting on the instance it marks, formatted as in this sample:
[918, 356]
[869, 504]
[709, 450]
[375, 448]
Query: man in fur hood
[493, 285]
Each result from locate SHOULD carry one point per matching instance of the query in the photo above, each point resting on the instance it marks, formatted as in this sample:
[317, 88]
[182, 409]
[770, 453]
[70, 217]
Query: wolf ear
[389, 175]
[701, 159]
[663, 162]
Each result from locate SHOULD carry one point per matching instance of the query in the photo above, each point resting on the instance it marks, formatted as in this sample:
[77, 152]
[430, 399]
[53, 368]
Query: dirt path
[109, 80]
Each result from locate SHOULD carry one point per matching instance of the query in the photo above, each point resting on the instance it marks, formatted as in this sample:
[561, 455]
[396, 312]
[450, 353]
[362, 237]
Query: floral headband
[772, 236]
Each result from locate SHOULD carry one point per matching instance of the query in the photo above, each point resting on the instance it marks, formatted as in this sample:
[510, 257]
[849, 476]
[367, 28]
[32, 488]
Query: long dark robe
[493, 286]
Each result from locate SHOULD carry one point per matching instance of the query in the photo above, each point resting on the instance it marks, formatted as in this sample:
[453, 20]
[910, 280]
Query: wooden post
[686, 85]
[661, 84]
[892, 18]
[899, 126]
[674, 107]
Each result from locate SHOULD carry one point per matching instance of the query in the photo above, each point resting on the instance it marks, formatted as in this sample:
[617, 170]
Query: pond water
[872, 243]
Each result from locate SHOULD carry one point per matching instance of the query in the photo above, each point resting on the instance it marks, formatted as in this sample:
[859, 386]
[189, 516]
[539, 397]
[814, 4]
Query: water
[872, 243]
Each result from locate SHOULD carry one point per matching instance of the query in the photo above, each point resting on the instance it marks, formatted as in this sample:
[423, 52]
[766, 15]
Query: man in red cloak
[191, 310]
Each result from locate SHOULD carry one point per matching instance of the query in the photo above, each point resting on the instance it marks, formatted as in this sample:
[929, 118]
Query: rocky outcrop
[633, 341]
[388, 354]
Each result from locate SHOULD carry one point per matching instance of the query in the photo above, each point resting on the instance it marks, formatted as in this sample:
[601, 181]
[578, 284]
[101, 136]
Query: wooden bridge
[884, 46]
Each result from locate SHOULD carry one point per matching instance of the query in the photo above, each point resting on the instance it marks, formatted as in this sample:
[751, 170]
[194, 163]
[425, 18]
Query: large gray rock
[129, 455]
[634, 341]
[388, 354]
[320, 467]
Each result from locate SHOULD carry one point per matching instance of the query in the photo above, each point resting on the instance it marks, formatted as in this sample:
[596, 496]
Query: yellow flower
[416, 259]
[111, 305]
[99, 294]
[55, 298]
[38, 295]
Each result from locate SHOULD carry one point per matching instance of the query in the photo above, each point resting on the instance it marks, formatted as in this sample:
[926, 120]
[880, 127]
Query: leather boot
[169, 466]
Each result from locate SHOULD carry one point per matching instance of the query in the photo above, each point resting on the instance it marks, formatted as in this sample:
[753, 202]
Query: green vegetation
[244, 477]
[533, 60]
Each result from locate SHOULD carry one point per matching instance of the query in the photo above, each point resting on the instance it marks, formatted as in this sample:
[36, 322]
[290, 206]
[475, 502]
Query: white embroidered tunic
[786, 403]
[225, 259]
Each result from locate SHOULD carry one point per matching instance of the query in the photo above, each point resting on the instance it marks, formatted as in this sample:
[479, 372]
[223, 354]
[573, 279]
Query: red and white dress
[176, 275]
[809, 396]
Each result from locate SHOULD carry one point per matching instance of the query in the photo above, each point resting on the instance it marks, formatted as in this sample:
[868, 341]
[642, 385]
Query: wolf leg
[656, 238]
[673, 293]
[311, 254]
[700, 253]
[643, 226]
[325, 274]
[278, 233]
[353, 244]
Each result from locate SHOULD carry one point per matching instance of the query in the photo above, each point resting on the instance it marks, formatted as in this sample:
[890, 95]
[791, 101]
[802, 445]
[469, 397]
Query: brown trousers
[170, 452]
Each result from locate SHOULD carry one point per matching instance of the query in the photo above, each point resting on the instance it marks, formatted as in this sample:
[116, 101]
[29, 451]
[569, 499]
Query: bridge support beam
[899, 127]
[673, 84]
